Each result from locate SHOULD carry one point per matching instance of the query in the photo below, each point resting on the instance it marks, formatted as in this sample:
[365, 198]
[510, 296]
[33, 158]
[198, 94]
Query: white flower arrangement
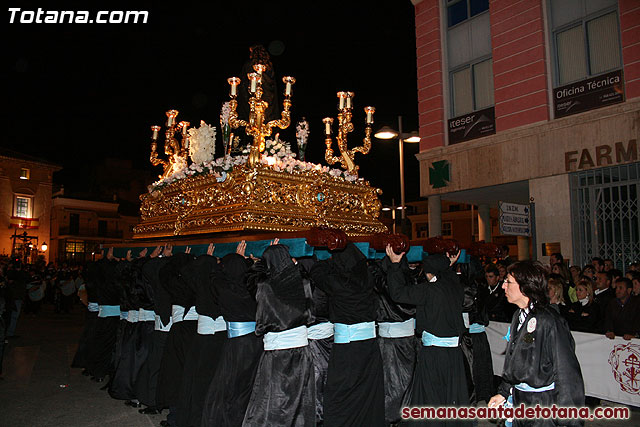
[224, 114]
[202, 143]
[277, 155]
[302, 135]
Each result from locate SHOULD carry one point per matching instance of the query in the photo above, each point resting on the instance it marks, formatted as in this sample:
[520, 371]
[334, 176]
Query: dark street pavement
[38, 388]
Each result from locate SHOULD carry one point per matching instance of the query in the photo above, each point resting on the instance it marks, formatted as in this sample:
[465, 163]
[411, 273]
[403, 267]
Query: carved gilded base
[260, 199]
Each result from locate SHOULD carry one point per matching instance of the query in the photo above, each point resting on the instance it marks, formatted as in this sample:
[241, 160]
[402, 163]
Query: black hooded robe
[354, 392]
[136, 335]
[230, 388]
[398, 353]
[182, 333]
[201, 362]
[100, 357]
[284, 387]
[91, 316]
[147, 380]
[439, 378]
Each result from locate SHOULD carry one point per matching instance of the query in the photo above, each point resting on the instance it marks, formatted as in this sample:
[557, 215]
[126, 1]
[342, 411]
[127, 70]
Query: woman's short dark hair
[532, 279]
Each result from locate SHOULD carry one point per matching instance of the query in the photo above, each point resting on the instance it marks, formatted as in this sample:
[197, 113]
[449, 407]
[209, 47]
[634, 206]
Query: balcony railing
[89, 232]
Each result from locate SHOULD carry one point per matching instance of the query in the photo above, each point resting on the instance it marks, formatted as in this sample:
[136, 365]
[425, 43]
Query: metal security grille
[604, 211]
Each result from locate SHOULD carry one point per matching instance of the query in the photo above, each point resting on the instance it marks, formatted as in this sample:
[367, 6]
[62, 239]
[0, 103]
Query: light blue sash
[159, 326]
[207, 325]
[397, 329]
[124, 315]
[238, 329]
[476, 328]
[108, 311]
[146, 315]
[320, 331]
[177, 313]
[430, 340]
[291, 338]
[507, 337]
[192, 314]
[133, 316]
[357, 332]
[527, 388]
[94, 307]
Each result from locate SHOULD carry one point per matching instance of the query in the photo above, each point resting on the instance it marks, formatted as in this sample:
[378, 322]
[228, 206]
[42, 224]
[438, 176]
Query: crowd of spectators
[596, 297]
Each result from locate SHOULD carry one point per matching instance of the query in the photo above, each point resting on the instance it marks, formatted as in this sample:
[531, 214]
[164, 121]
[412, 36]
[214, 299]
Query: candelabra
[256, 126]
[345, 107]
[172, 148]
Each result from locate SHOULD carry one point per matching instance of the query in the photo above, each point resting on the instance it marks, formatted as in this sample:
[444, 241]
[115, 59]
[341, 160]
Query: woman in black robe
[354, 392]
[230, 388]
[284, 388]
[439, 377]
[540, 365]
[398, 345]
[201, 363]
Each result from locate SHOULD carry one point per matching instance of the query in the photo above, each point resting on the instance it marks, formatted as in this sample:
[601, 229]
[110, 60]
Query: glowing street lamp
[411, 137]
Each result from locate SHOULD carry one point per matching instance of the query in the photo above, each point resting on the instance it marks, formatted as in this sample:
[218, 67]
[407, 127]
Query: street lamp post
[388, 133]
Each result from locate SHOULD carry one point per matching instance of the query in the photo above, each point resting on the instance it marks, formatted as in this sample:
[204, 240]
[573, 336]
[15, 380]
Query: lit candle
[233, 82]
[350, 96]
[327, 125]
[171, 115]
[369, 111]
[154, 132]
[259, 68]
[341, 98]
[254, 82]
[289, 81]
[184, 126]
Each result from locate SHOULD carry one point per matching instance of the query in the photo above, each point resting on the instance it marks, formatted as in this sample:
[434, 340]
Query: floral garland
[277, 155]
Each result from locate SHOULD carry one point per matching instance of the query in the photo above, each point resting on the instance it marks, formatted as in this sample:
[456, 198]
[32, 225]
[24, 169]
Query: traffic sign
[515, 219]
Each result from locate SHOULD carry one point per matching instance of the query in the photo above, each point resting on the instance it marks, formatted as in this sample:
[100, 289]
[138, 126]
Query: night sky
[80, 92]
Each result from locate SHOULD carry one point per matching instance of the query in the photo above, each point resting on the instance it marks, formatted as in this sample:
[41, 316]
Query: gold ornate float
[266, 190]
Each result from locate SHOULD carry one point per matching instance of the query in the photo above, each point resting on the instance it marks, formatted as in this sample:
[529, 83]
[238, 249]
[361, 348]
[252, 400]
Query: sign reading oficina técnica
[515, 219]
[588, 94]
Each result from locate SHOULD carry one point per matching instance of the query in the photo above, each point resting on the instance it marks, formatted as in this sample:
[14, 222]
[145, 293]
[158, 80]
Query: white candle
[233, 82]
[369, 111]
[327, 125]
[254, 82]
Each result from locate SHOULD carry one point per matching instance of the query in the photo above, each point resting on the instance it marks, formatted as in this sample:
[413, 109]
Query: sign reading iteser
[471, 126]
[515, 219]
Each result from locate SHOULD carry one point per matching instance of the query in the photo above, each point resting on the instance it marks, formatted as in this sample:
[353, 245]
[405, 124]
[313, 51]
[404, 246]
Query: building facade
[536, 103]
[25, 205]
[79, 228]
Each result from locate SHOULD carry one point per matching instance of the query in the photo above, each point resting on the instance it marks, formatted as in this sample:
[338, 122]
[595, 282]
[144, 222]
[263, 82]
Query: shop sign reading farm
[588, 94]
[601, 155]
